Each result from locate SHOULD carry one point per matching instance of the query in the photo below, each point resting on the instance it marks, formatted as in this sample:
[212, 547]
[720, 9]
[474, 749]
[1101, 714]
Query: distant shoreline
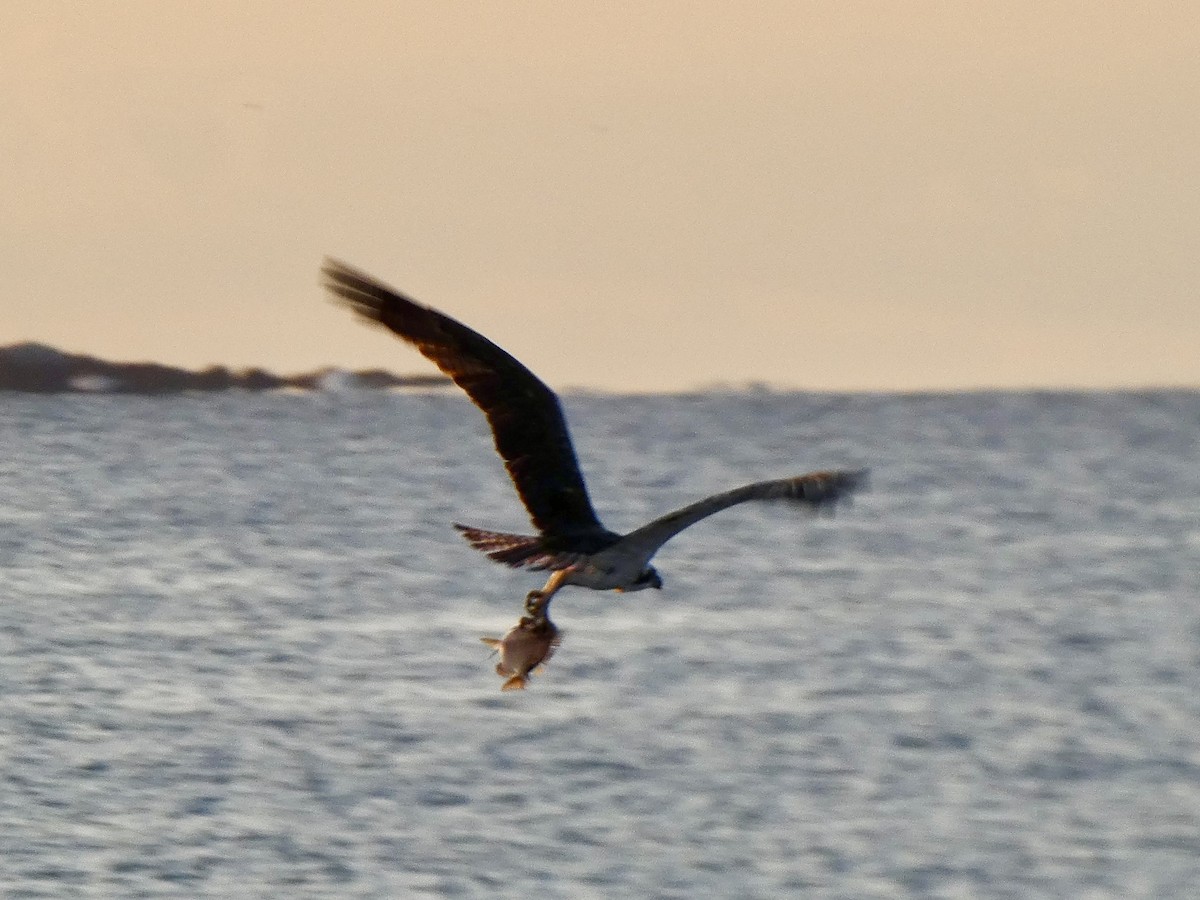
[32, 368]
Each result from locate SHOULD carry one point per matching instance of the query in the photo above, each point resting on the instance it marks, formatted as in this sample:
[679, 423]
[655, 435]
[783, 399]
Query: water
[239, 653]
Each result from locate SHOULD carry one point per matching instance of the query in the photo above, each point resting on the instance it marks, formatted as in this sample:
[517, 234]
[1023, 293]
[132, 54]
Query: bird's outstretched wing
[526, 419]
[816, 489]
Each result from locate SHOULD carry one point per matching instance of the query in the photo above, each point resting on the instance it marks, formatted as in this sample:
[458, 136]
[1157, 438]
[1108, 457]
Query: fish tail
[516, 683]
[494, 643]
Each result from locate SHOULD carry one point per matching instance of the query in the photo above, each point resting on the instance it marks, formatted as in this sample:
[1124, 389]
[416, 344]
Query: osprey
[531, 437]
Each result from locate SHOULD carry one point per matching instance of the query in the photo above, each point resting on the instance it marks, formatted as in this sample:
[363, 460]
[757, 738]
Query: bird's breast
[607, 571]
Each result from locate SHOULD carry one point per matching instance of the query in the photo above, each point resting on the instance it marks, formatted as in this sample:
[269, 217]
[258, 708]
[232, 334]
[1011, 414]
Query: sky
[643, 196]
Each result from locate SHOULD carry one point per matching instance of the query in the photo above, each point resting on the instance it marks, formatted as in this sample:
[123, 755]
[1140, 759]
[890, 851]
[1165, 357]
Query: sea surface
[240, 656]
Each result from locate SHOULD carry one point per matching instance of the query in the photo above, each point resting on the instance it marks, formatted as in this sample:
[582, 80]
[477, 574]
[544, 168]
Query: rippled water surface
[239, 653]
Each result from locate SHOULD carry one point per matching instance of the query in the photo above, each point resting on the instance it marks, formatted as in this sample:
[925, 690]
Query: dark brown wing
[814, 490]
[526, 419]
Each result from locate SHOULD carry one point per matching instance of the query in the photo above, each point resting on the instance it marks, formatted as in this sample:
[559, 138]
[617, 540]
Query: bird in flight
[532, 438]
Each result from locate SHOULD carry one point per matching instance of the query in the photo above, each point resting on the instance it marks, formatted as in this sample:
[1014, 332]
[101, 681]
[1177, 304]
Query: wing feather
[816, 489]
[525, 416]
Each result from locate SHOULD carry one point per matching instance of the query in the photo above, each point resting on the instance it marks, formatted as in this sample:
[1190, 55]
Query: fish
[524, 647]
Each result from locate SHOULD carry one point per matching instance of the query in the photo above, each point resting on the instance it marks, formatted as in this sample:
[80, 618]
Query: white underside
[609, 570]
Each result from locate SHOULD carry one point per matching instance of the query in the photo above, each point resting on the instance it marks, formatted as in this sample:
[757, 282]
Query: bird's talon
[535, 604]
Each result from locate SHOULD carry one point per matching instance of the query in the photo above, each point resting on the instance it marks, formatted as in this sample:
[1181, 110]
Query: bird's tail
[521, 551]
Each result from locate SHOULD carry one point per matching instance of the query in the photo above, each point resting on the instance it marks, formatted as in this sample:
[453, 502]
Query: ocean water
[239, 653]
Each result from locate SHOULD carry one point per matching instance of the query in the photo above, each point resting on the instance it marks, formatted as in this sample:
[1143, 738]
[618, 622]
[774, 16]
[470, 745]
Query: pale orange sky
[645, 196]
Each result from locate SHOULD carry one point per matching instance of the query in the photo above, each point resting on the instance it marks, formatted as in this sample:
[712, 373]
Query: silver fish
[524, 647]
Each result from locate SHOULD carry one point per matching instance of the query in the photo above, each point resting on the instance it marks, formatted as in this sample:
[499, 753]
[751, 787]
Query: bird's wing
[526, 419]
[816, 489]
